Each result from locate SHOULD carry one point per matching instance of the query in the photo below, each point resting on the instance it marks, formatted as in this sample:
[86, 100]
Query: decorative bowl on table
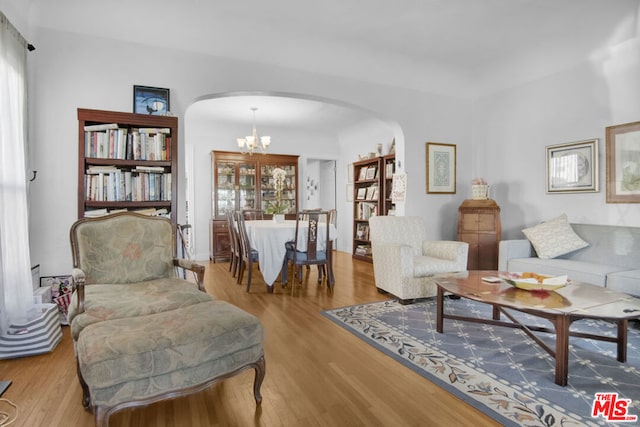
[535, 282]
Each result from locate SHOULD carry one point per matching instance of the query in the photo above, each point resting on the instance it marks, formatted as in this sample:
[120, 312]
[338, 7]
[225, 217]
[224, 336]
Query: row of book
[109, 141]
[362, 231]
[366, 210]
[363, 250]
[96, 213]
[112, 184]
[388, 171]
[367, 193]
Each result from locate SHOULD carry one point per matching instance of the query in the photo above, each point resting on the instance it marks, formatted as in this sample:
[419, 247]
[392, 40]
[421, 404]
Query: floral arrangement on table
[277, 208]
[478, 181]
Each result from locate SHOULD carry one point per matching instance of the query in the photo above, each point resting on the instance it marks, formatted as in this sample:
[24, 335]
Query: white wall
[207, 136]
[512, 128]
[71, 71]
[501, 136]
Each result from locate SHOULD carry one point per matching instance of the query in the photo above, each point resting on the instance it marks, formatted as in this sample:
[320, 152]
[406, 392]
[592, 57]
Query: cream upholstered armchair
[404, 261]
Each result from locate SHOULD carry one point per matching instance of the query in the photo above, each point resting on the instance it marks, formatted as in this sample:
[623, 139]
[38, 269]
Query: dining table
[269, 237]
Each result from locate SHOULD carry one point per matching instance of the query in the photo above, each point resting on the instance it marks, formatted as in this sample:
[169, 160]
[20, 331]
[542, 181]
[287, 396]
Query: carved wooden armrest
[192, 266]
[78, 281]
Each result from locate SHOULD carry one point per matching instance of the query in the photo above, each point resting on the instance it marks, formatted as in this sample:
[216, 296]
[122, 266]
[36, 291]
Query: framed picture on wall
[623, 163]
[150, 100]
[572, 167]
[441, 168]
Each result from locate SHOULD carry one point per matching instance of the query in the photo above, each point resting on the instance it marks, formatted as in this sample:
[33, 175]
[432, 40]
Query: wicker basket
[479, 192]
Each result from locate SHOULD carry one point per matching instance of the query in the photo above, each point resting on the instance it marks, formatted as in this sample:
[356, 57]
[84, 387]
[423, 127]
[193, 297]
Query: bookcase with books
[372, 196]
[127, 161]
[389, 165]
[366, 203]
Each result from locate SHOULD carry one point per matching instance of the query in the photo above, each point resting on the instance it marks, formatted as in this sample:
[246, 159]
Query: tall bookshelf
[128, 162]
[389, 167]
[371, 196]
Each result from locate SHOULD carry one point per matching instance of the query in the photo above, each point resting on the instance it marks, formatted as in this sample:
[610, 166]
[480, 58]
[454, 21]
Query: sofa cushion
[107, 302]
[428, 266]
[625, 281]
[554, 238]
[123, 359]
[578, 271]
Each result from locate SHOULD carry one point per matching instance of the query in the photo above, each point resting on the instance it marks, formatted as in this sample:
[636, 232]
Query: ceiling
[432, 45]
[456, 47]
[278, 110]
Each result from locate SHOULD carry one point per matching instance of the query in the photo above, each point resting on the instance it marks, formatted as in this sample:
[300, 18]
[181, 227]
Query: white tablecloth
[269, 237]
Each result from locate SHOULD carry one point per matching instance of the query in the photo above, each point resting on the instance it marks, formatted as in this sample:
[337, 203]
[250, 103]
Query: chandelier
[251, 143]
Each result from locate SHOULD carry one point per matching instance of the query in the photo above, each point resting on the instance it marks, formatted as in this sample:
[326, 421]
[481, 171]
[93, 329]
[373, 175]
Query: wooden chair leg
[241, 271]
[250, 268]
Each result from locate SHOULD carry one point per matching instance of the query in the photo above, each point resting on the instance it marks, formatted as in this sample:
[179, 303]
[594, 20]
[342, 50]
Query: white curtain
[16, 296]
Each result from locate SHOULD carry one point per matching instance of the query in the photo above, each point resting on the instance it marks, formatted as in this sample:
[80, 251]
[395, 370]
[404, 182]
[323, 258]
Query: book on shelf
[372, 192]
[150, 169]
[96, 213]
[362, 231]
[154, 130]
[363, 174]
[367, 210]
[101, 126]
[371, 172]
[363, 250]
[389, 170]
[111, 184]
[128, 144]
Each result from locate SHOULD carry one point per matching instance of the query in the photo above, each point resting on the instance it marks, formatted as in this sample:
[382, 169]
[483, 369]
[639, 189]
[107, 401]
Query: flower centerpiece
[278, 209]
[479, 189]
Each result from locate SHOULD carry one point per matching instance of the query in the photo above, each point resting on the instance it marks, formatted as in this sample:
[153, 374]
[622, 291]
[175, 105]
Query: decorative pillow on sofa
[554, 238]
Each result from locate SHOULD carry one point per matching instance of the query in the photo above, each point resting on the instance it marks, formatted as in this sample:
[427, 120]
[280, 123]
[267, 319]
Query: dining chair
[307, 249]
[234, 244]
[249, 255]
[252, 214]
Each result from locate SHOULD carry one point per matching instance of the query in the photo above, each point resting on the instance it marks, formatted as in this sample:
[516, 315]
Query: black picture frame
[153, 101]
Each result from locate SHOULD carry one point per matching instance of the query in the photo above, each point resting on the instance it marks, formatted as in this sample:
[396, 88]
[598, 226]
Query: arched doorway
[312, 127]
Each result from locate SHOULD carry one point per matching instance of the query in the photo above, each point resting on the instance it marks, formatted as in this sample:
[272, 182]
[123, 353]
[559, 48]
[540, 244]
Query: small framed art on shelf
[151, 100]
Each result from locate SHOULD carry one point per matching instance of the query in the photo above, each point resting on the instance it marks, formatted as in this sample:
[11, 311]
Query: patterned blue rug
[499, 370]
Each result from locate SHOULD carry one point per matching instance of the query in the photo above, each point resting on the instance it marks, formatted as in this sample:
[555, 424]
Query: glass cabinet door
[268, 190]
[225, 189]
[247, 185]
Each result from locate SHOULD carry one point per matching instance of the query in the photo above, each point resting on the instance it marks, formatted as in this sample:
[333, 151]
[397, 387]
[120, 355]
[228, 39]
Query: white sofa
[404, 261]
[611, 260]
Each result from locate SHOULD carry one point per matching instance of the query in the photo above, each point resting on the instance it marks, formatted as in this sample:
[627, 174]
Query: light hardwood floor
[317, 373]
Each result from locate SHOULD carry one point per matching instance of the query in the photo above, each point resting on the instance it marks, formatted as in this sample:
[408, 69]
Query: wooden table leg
[439, 309]
[562, 324]
[622, 340]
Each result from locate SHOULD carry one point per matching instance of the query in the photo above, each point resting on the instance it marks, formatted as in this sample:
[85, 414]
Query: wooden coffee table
[562, 307]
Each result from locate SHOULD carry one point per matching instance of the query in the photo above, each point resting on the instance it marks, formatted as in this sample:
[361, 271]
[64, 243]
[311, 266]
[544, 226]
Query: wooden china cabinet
[245, 181]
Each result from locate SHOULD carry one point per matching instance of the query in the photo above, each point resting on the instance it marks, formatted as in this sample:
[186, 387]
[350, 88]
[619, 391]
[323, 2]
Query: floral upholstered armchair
[141, 333]
[125, 249]
[404, 261]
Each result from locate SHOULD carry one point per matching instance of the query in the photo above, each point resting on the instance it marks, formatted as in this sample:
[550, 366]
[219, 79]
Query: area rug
[499, 370]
